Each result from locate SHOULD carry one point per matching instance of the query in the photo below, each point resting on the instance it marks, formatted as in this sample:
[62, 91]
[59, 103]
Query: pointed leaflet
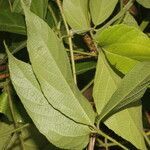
[144, 3]
[124, 46]
[105, 84]
[101, 10]
[51, 66]
[58, 129]
[128, 124]
[131, 89]
[76, 13]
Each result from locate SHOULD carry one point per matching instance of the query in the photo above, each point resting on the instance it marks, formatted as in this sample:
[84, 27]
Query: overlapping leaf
[32, 139]
[38, 7]
[123, 122]
[124, 46]
[144, 3]
[101, 10]
[12, 22]
[58, 129]
[76, 13]
[52, 69]
[131, 89]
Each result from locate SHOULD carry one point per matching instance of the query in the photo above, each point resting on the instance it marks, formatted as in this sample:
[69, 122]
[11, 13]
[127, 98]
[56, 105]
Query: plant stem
[15, 130]
[91, 143]
[87, 86]
[83, 53]
[7, 88]
[69, 40]
[53, 14]
[110, 138]
[146, 138]
[121, 13]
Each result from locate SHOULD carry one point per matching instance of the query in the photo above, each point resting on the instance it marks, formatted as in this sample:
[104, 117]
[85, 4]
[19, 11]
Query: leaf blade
[74, 10]
[49, 121]
[56, 80]
[101, 10]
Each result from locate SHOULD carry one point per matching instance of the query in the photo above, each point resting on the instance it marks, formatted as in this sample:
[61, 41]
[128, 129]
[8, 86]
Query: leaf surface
[144, 3]
[76, 13]
[123, 122]
[51, 66]
[131, 88]
[12, 22]
[124, 46]
[38, 7]
[101, 10]
[59, 129]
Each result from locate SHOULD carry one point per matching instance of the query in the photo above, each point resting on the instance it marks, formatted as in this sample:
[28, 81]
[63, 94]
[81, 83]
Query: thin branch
[7, 88]
[69, 40]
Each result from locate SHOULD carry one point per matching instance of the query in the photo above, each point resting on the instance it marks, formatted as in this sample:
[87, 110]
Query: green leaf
[123, 122]
[144, 3]
[131, 89]
[101, 10]
[128, 124]
[76, 13]
[4, 105]
[32, 139]
[83, 67]
[51, 66]
[12, 22]
[59, 129]
[38, 7]
[104, 83]
[124, 46]
[129, 20]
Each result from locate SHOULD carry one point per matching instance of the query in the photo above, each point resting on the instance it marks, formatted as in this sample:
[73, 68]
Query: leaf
[38, 7]
[130, 21]
[51, 66]
[124, 46]
[144, 3]
[123, 122]
[58, 129]
[4, 105]
[101, 10]
[131, 89]
[128, 124]
[12, 22]
[76, 13]
[32, 139]
[83, 67]
[104, 83]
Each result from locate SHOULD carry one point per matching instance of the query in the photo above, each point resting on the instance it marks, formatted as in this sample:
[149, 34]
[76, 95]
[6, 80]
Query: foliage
[49, 46]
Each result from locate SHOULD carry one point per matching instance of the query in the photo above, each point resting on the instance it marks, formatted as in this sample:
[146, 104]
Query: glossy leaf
[76, 13]
[144, 3]
[12, 22]
[48, 120]
[123, 122]
[101, 10]
[52, 69]
[124, 46]
[131, 89]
